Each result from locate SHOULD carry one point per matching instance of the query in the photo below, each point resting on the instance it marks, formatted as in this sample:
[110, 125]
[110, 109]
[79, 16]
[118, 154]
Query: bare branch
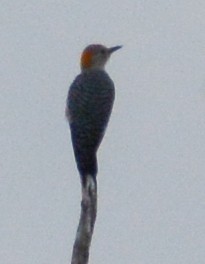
[86, 223]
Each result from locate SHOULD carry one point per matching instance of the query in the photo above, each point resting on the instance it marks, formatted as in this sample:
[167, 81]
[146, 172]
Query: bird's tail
[87, 166]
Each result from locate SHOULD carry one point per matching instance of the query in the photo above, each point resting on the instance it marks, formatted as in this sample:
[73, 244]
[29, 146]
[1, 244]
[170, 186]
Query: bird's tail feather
[87, 166]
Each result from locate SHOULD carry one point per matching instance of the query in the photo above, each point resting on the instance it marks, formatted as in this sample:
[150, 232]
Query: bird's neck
[93, 68]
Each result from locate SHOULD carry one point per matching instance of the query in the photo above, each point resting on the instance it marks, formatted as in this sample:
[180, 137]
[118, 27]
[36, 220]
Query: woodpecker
[88, 108]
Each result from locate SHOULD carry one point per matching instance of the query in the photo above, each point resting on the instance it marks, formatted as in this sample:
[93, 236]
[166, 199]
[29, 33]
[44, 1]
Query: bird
[88, 107]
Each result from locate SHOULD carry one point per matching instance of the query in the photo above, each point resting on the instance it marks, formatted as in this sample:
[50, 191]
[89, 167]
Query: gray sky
[151, 162]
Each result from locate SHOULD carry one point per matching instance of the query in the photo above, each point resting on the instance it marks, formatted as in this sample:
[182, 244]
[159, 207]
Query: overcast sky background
[151, 180]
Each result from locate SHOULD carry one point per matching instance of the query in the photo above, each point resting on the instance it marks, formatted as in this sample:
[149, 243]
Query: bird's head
[95, 56]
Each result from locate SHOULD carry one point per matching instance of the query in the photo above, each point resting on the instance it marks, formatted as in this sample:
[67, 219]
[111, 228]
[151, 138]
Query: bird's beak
[112, 49]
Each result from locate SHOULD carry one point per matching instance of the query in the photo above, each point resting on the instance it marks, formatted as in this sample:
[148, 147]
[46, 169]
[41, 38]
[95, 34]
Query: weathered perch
[86, 223]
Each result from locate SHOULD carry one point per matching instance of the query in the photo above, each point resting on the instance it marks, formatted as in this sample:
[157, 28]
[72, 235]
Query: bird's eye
[102, 52]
